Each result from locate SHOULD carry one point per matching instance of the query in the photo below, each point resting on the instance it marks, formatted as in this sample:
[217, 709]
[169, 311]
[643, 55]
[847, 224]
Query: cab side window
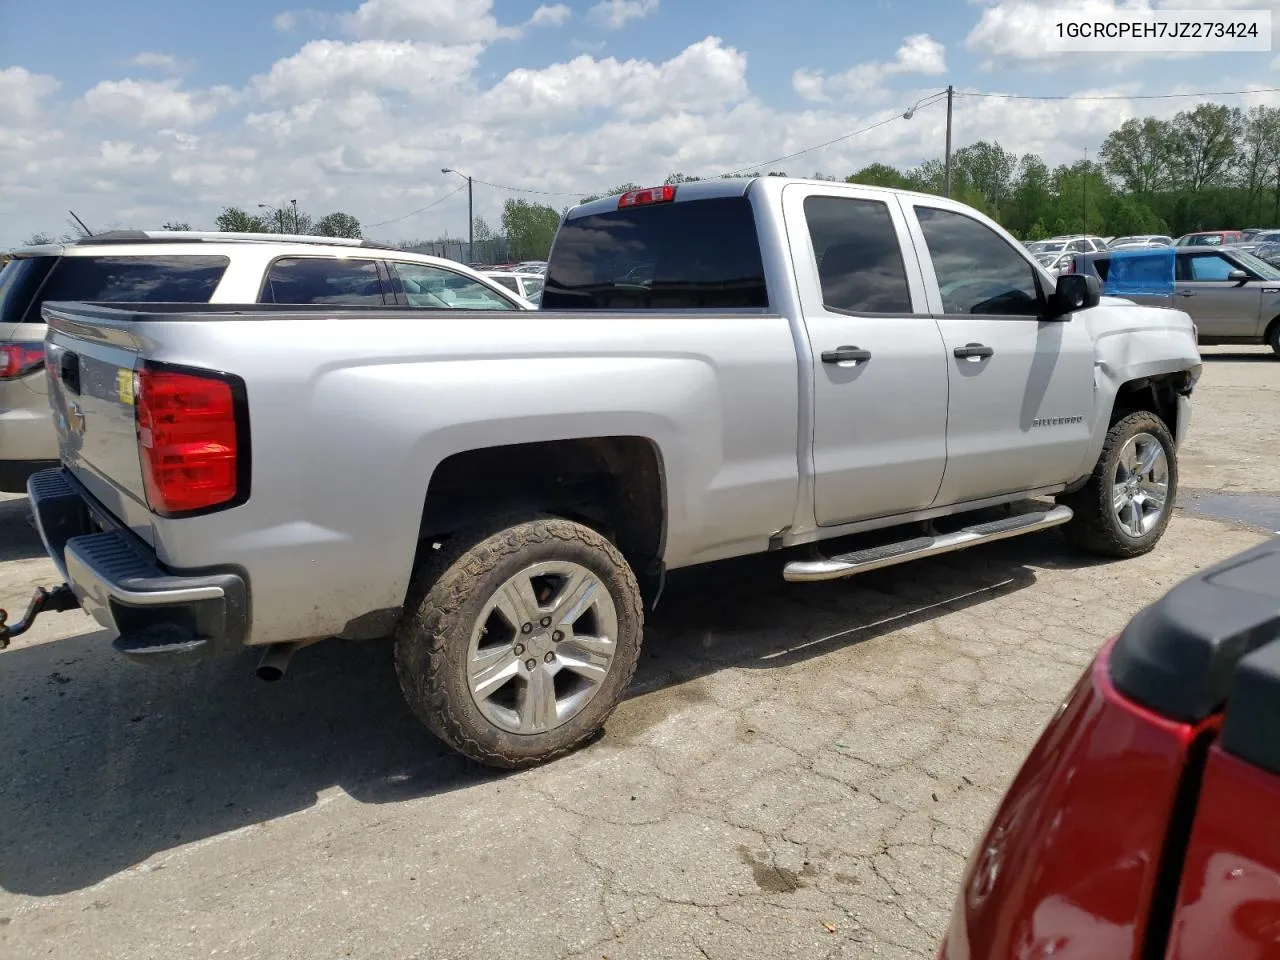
[859, 257]
[978, 271]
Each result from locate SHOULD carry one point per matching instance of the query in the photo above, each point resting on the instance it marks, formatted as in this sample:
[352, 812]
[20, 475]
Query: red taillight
[19, 359]
[640, 198]
[188, 440]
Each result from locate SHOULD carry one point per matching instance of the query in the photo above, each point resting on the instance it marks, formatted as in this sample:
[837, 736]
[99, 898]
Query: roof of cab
[144, 238]
[739, 186]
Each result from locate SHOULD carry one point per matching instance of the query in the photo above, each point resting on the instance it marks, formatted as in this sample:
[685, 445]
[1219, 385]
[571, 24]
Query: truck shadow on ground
[107, 763]
[18, 539]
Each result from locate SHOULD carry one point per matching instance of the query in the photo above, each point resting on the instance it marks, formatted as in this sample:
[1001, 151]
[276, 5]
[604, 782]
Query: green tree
[1259, 159]
[1031, 202]
[481, 230]
[681, 178]
[176, 225]
[1206, 142]
[530, 228]
[878, 175]
[1139, 154]
[337, 225]
[988, 168]
[39, 239]
[235, 220]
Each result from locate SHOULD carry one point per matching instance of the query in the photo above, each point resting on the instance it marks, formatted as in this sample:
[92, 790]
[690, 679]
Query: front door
[1021, 387]
[1220, 307]
[879, 371]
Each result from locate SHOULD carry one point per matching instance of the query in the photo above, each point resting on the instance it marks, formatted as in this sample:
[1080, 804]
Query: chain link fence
[491, 251]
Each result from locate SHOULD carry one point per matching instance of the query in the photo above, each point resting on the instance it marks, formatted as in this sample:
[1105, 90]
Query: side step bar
[873, 558]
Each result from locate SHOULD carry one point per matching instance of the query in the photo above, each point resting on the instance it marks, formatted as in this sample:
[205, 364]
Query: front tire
[519, 640]
[1273, 337]
[1125, 507]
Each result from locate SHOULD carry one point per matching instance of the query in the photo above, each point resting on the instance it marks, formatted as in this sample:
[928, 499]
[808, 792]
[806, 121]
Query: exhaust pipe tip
[275, 661]
[269, 672]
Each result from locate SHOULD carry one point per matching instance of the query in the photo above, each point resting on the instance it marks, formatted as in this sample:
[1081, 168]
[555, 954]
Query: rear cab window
[170, 278]
[702, 253]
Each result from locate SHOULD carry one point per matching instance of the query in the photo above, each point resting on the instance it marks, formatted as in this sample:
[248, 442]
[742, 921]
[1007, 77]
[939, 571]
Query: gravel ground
[800, 772]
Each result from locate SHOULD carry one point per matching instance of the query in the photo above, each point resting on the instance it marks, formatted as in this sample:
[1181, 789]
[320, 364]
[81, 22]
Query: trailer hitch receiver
[56, 600]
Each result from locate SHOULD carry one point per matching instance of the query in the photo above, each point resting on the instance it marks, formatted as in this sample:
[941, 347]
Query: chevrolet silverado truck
[717, 369]
[1142, 823]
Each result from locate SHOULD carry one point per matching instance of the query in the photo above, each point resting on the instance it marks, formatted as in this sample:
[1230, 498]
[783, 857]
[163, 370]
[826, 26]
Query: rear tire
[519, 640]
[1125, 507]
[1273, 337]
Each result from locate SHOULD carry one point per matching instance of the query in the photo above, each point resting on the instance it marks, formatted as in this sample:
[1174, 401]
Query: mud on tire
[488, 612]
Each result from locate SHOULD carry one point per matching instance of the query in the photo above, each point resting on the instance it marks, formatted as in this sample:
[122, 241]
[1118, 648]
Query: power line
[545, 193]
[919, 104]
[1118, 96]
[418, 211]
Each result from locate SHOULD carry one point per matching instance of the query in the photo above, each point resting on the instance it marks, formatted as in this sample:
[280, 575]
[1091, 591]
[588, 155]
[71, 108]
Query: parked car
[1142, 823]
[525, 285]
[1269, 251]
[1141, 240]
[1233, 296]
[1078, 243]
[531, 266]
[193, 267]
[1209, 238]
[1056, 263]
[507, 496]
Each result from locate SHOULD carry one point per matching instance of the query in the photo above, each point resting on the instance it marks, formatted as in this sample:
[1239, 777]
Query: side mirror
[1074, 291]
[1238, 276]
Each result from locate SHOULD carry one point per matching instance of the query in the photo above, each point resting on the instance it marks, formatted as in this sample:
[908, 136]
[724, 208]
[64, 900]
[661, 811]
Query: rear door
[1021, 387]
[1220, 307]
[879, 370]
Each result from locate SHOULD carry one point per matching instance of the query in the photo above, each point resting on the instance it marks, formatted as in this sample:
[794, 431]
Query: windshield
[1259, 266]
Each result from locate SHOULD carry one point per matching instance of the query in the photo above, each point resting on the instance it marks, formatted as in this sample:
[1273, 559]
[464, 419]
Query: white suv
[194, 267]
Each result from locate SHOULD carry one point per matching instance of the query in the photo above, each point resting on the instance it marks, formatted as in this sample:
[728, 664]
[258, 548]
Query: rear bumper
[157, 614]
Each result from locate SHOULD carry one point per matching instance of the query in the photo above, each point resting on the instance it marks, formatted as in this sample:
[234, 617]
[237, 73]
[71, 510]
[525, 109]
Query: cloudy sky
[134, 112]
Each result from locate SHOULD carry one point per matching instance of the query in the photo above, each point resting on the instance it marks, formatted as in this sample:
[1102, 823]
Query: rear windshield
[155, 279]
[19, 281]
[699, 253]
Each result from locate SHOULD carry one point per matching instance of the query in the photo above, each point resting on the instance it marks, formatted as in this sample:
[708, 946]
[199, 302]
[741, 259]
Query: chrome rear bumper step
[873, 558]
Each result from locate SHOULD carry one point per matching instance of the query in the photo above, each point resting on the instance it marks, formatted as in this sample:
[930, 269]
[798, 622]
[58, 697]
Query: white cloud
[809, 85]
[702, 77]
[22, 91]
[919, 54]
[155, 103]
[431, 21]
[365, 124]
[550, 16]
[614, 14]
[157, 61]
[328, 66]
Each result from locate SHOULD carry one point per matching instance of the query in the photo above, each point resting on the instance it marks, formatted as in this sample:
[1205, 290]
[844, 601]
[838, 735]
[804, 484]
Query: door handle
[973, 352]
[1186, 293]
[845, 355]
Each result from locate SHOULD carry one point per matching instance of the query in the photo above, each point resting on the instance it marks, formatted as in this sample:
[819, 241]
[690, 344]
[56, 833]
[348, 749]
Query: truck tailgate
[91, 366]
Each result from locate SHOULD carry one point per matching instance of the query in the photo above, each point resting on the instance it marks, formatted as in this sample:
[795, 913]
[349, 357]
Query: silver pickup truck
[718, 368]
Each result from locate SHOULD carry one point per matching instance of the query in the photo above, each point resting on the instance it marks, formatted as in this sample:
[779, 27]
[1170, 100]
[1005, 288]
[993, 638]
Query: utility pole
[946, 183]
[471, 217]
[1084, 195]
[296, 227]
